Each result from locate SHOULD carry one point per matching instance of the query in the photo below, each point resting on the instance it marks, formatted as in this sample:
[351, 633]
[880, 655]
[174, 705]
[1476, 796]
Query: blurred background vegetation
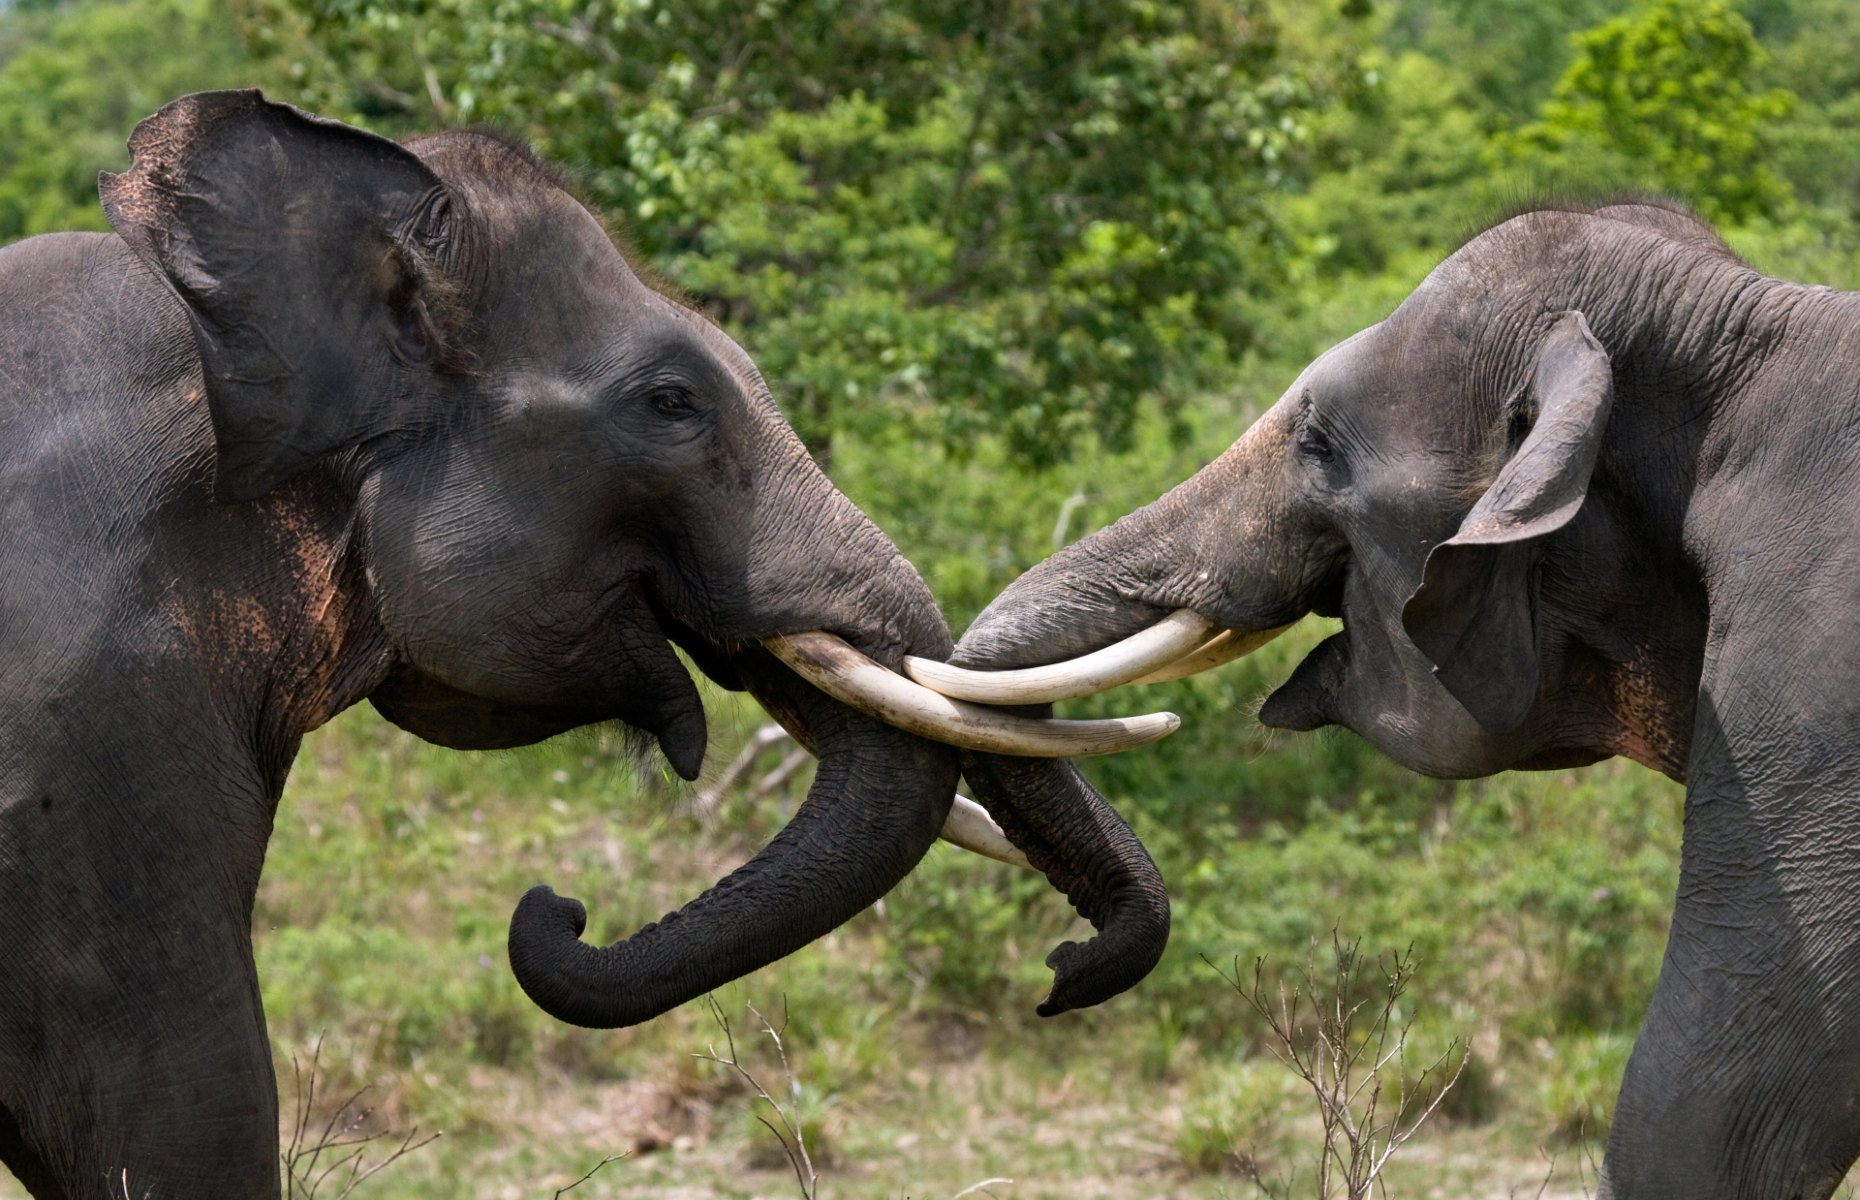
[1012, 267]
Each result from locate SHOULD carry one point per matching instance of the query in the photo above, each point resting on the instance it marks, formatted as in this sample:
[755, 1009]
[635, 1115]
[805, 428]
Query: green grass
[394, 865]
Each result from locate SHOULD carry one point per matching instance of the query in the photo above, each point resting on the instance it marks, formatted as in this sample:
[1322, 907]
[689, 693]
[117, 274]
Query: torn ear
[1475, 615]
[303, 250]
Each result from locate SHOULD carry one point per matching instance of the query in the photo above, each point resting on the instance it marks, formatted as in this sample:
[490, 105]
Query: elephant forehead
[1341, 363]
[1367, 372]
[554, 267]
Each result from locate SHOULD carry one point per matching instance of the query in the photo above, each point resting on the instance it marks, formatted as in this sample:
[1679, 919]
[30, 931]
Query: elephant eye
[1312, 444]
[1522, 417]
[671, 402]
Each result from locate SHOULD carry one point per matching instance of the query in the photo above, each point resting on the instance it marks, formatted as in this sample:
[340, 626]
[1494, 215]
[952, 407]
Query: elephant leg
[26, 1165]
[1745, 1082]
[149, 1074]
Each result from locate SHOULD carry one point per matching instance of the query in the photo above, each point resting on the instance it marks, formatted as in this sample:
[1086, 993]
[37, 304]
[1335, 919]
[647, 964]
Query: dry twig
[1320, 1032]
[707, 800]
[338, 1139]
[790, 1135]
[611, 1158]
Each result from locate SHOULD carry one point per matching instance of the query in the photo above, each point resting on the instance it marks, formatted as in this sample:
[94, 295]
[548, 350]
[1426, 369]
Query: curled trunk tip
[1086, 850]
[876, 804]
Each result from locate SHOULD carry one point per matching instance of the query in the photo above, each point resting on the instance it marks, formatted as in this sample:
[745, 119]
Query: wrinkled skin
[331, 419]
[1589, 491]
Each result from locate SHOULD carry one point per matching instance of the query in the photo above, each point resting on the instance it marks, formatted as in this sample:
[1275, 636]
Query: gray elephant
[1592, 490]
[330, 418]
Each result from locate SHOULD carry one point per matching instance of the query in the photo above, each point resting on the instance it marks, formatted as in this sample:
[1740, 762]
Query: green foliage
[1814, 50]
[1664, 98]
[74, 80]
[1507, 53]
[1234, 1112]
[1420, 152]
[958, 218]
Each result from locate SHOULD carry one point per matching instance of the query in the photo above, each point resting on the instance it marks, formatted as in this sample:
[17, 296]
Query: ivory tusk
[970, 827]
[1223, 647]
[856, 681]
[1136, 656]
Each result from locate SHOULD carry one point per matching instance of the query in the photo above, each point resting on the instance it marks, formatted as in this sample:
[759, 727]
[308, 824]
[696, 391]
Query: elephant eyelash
[671, 402]
[433, 326]
[1309, 441]
[416, 342]
[1312, 444]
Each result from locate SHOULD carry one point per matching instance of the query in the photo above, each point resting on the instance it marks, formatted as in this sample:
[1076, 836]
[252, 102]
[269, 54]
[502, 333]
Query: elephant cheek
[1307, 700]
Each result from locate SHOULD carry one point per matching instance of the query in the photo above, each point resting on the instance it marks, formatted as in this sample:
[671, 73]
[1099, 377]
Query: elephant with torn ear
[330, 418]
[1593, 489]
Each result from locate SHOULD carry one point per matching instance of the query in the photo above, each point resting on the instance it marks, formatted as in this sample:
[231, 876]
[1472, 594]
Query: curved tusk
[970, 827]
[1138, 655]
[1222, 648]
[856, 681]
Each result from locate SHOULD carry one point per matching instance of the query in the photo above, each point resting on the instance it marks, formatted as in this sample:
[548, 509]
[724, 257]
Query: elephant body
[142, 645]
[330, 418]
[1593, 489]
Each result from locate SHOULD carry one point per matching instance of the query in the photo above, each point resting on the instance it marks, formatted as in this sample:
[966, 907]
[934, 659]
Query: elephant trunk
[1220, 544]
[1072, 836]
[1094, 592]
[1172, 556]
[1078, 601]
[877, 801]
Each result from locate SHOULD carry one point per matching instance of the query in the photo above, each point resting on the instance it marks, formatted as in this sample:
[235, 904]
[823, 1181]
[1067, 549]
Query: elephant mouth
[1328, 600]
[969, 824]
[714, 660]
[1303, 702]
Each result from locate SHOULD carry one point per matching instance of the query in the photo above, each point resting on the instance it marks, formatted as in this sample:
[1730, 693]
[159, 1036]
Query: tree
[1505, 53]
[1021, 217]
[74, 80]
[1662, 98]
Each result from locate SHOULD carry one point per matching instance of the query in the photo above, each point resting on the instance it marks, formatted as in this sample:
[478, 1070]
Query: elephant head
[554, 473]
[1456, 484]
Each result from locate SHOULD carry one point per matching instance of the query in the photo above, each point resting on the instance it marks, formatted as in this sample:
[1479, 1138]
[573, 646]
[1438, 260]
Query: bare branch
[792, 1138]
[1344, 1050]
[709, 798]
[301, 1157]
[611, 1158]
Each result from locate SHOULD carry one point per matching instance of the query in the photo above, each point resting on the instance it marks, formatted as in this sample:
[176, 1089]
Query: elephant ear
[1475, 614]
[304, 251]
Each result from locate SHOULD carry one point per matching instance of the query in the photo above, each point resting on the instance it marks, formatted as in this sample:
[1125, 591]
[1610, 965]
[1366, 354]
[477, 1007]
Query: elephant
[1592, 489]
[330, 418]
